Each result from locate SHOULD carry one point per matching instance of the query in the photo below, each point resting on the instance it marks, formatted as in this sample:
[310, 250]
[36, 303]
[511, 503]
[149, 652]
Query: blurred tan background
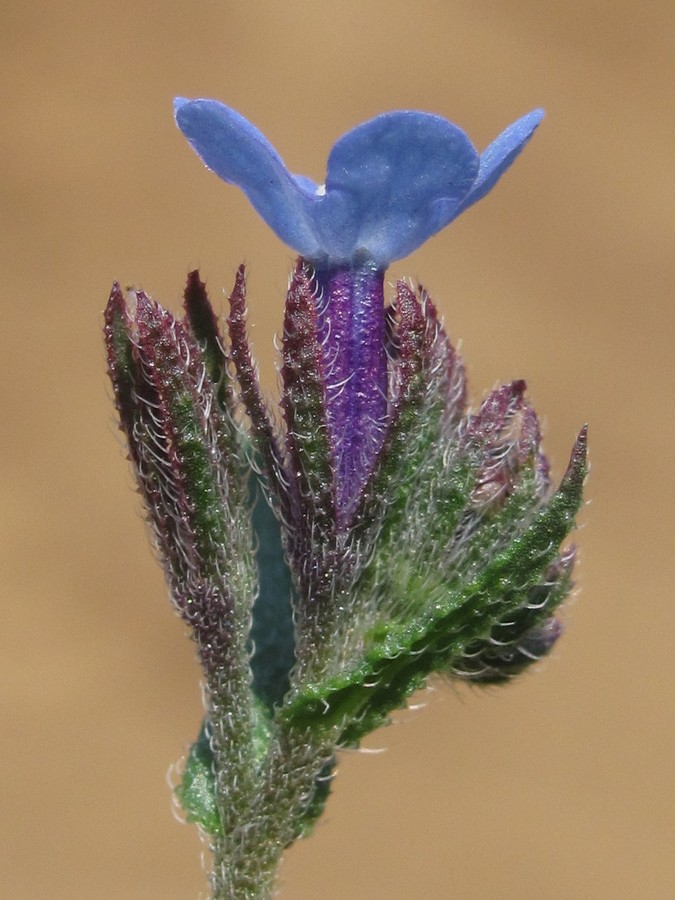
[560, 786]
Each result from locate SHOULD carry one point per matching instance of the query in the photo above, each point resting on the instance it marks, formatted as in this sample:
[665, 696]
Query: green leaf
[197, 789]
[403, 656]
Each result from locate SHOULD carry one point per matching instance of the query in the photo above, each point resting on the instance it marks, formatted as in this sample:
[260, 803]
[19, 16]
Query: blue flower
[391, 182]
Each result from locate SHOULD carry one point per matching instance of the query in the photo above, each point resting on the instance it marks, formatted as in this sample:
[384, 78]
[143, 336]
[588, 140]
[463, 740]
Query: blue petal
[236, 151]
[497, 158]
[392, 182]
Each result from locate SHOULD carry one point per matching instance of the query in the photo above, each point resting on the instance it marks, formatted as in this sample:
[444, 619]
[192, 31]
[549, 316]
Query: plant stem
[246, 872]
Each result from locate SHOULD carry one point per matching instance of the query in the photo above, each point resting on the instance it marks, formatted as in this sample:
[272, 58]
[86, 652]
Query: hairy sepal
[268, 453]
[418, 483]
[311, 457]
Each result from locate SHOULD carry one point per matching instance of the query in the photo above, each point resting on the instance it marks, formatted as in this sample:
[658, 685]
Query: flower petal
[235, 150]
[392, 182]
[497, 158]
